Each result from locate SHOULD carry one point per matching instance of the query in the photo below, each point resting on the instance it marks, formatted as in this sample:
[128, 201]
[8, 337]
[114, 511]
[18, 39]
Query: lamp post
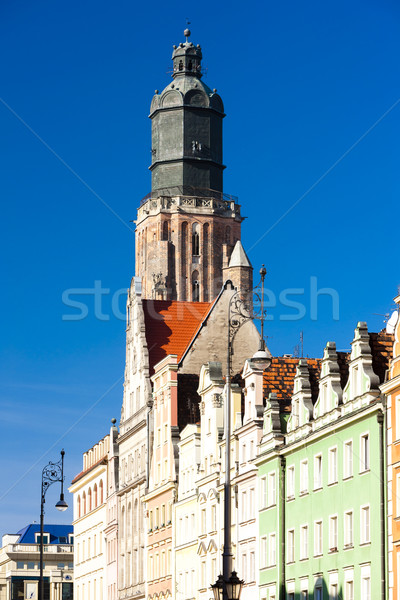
[51, 473]
[240, 312]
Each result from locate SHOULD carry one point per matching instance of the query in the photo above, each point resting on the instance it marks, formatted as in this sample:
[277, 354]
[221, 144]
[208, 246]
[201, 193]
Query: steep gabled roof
[171, 326]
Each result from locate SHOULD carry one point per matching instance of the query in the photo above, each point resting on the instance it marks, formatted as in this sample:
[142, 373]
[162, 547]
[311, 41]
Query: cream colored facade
[185, 517]
[89, 490]
[21, 561]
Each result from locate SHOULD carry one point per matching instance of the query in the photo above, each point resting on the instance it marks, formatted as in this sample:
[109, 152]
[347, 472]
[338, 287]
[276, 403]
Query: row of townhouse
[311, 513]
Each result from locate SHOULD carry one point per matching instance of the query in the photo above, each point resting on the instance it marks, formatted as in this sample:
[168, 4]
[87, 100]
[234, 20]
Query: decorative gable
[302, 398]
[362, 379]
[330, 390]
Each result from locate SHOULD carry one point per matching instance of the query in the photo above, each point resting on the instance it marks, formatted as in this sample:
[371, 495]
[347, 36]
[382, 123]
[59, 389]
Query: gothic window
[195, 286]
[228, 235]
[165, 231]
[90, 499]
[206, 229]
[195, 240]
[180, 65]
[190, 65]
[95, 496]
[84, 503]
[79, 506]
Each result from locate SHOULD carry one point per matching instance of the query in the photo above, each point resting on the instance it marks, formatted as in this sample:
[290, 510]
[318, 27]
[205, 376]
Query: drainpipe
[282, 528]
[380, 419]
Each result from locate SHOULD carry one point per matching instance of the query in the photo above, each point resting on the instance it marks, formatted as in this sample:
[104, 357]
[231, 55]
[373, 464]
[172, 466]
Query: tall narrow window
[195, 286]
[195, 240]
[165, 231]
[333, 465]
[304, 542]
[318, 538]
[228, 235]
[290, 546]
[264, 551]
[271, 489]
[333, 534]
[184, 253]
[365, 528]
[290, 482]
[206, 229]
[364, 453]
[348, 528]
[317, 472]
[272, 549]
[348, 460]
[304, 477]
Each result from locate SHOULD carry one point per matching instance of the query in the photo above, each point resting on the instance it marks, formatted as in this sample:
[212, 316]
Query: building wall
[89, 491]
[391, 389]
[134, 443]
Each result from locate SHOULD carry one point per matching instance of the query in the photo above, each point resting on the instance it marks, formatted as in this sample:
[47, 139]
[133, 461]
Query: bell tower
[186, 227]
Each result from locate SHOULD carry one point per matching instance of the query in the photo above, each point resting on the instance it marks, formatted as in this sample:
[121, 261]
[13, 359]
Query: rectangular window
[397, 408]
[264, 552]
[31, 565]
[397, 492]
[333, 591]
[318, 472]
[304, 595]
[203, 521]
[290, 482]
[251, 511]
[290, 596]
[366, 588]
[348, 528]
[244, 506]
[20, 564]
[349, 590]
[271, 489]
[332, 467]
[318, 538]
[333, 534]
[252, 567]
[263, 493]
[364, 453]
[318, 593]
[304, 542]
[244, 566]
[304, 477]
[348, 459]
[290, 546]
[272, 549]
[364, 523]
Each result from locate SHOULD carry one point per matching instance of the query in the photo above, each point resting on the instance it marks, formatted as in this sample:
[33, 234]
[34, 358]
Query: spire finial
[187, 33]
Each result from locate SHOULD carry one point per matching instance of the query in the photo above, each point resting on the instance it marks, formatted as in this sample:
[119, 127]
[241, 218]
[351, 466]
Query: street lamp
[51, 473]
[233, 587]
[240, 312]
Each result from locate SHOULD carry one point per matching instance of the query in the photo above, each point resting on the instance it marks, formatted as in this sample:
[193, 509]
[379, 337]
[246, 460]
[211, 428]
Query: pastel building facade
[89, 489]
[391, 390]
[323, 534]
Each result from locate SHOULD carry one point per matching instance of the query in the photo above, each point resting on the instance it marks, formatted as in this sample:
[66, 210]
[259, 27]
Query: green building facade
[322, 475]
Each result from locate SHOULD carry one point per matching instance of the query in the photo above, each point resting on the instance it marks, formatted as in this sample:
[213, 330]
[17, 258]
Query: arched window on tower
[165, 231]
[190, 65]
[228, 235]
[195, 240]
[195, 286]
[180, 65]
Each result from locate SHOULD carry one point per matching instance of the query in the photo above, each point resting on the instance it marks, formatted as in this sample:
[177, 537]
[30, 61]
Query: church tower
[186, 228]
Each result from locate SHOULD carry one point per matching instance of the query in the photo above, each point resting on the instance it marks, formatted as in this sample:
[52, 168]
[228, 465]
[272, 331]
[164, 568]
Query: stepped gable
[279, 378]
[170, 326]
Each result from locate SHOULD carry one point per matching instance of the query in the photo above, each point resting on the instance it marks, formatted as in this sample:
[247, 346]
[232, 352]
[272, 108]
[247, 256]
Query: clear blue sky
[301, 83]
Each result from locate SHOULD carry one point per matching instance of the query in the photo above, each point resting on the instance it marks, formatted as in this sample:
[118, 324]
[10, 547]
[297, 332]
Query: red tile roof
[171, 326]
[279, 378]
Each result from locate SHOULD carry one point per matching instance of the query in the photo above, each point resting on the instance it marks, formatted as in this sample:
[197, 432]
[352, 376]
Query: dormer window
[46, 538]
